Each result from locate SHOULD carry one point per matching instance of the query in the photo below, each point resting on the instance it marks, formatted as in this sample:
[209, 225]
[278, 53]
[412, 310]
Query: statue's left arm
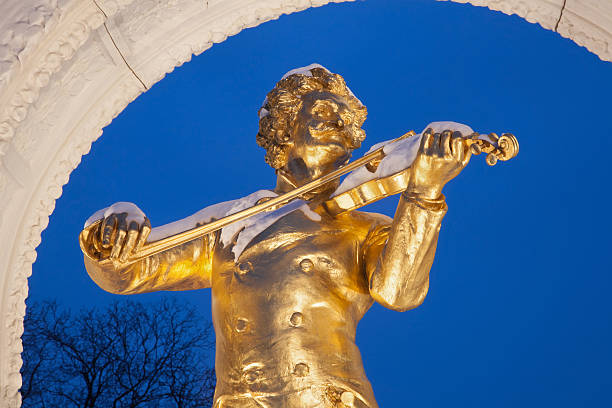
[124, 229]
[398, 257]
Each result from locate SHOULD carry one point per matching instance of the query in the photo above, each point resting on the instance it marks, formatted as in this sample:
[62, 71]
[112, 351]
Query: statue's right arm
[187, 266]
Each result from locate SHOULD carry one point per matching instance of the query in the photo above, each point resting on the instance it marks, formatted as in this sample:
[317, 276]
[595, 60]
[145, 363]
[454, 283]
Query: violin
[502, 148]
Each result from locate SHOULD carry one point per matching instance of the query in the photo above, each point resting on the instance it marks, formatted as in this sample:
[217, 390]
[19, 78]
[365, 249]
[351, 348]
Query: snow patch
[133, 213]
[304, 70]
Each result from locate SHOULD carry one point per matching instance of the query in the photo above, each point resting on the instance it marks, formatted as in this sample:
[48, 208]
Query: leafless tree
[128, 355]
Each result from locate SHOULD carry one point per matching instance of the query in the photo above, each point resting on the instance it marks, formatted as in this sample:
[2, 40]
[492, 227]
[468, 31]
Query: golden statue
[290, 284]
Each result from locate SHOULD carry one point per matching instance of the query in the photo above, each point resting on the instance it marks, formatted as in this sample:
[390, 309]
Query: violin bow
[155, 247]
[498, 148]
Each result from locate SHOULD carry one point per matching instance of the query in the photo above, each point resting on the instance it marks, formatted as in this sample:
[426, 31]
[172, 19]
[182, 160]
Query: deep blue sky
[519, 311]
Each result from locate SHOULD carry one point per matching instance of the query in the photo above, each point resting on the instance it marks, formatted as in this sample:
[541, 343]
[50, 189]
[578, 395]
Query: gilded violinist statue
[288, 295]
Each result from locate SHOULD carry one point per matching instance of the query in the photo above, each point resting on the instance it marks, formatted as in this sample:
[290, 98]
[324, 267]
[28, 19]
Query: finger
[96, 239]
[466, 154]
[445, 148]
[130, 241]
[144, 234]
[435, 145]
[106, 231]
[457, 144]
[426, 140]
[119, 236]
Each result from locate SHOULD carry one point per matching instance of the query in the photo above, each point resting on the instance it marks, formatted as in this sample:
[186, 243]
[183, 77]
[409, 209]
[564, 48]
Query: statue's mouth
[331, 135]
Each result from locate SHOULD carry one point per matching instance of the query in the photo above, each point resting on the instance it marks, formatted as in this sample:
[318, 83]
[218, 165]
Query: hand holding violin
[440, 158]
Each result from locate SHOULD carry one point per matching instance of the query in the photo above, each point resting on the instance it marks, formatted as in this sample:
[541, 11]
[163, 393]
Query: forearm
[399, 277]
[182, 268]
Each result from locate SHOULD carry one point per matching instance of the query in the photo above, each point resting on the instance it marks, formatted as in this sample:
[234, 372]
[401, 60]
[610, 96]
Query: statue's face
[322, 136]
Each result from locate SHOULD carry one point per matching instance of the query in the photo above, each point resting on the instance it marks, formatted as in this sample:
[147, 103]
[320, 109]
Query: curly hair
[283, 103]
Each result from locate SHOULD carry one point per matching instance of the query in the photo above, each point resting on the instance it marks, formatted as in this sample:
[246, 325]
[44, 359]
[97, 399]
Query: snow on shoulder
[399, 155]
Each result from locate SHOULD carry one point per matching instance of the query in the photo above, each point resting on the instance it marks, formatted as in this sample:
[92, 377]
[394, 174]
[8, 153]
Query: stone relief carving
[58, 46]
[66, 85]
[28, 22]
[151, 15]
[590, 25]
[110, 7]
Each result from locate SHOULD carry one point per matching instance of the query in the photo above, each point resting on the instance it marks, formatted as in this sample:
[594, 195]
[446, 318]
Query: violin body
[368, 192]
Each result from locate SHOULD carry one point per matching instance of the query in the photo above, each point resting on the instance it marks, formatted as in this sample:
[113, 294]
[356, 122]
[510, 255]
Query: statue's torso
[285, 314]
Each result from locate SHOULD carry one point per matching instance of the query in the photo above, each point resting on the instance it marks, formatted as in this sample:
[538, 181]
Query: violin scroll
[498, 148]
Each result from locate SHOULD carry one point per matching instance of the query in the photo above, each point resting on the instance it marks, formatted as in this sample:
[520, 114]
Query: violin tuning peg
[491, 159]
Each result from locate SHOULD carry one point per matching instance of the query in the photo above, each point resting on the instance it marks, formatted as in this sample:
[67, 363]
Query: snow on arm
[247, 229]
[203, 216]
[399, 156]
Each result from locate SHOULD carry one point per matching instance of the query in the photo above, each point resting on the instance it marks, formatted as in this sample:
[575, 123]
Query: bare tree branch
[127, 355]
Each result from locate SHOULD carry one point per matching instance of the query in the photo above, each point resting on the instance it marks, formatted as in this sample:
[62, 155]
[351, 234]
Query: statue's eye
[323, 111]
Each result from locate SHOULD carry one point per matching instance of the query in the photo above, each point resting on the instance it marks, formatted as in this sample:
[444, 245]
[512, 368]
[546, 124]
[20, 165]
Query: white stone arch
[68, 67]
